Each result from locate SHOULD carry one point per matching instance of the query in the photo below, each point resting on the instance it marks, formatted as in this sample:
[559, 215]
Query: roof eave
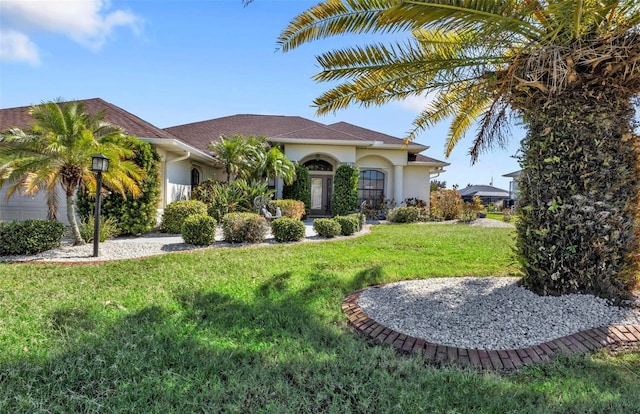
[177, 144]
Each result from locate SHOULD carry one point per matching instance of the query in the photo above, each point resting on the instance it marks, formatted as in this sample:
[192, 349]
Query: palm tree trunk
[71, 217]
[577, 231]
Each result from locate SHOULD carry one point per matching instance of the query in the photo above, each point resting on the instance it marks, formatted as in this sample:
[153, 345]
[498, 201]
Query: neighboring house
[182, 165]
[488, 194]
[513, 184]
[389, 167]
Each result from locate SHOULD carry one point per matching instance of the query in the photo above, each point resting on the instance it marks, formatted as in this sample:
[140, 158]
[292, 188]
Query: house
[488, 194]
[513, 184]
[389, 167]
[179, 160]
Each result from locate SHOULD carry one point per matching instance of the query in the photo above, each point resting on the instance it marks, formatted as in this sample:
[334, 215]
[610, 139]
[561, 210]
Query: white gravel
[486, 313]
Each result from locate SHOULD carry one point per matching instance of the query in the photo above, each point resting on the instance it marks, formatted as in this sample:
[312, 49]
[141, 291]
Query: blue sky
[173, 62]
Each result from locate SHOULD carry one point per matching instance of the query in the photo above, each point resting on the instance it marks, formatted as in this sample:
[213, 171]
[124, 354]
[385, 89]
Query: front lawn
[259, 329]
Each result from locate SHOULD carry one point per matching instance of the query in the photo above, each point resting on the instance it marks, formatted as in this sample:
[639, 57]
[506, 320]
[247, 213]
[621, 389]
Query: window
[195, 177]
[371, 187]
[318, 165]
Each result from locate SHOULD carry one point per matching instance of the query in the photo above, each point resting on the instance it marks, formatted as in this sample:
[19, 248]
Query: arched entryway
[321, 177]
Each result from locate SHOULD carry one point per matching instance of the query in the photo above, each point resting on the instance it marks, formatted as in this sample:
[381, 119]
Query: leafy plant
[446, 204]
[286, 229]
[345, 190]
[199, 229]
[108, 228]
[326, 227]
[244, 228]
[133, 214]
[290, 208]
[348, 224]
[470, 210]
[177, 211]
[404, 215]
[300, 189]
[29, 236]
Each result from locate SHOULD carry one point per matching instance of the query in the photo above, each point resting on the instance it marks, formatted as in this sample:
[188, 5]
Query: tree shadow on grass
[273, 351]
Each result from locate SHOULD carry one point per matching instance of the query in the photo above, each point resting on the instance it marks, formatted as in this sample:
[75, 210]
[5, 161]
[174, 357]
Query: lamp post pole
[99, 164]
[96, 219]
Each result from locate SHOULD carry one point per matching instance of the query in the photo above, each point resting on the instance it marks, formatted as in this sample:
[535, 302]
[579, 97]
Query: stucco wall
[416, 182]
[298, 152]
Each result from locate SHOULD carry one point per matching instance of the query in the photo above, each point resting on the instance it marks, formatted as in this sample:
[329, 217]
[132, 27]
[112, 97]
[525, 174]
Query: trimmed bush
[290, 208]
[362, 219]
[199, 229]
[348, 224]
[108, 228]
[345, 190]
[286, 229]
[244, 228]
[404, 215]
[29, 236]
[177, 211]
[326, 227]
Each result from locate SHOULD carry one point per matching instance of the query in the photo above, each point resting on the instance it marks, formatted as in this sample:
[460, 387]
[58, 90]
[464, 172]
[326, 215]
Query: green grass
[259, 329]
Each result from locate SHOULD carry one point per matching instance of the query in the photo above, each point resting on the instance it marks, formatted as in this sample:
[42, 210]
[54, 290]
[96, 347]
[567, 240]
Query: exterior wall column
[398, 180]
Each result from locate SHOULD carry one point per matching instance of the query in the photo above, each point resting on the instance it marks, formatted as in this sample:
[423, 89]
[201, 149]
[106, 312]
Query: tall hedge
[345, 190]
[133, 215]
[300, 189]
[578, 221]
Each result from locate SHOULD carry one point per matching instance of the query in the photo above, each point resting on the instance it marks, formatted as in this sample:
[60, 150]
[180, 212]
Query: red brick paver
[484, 359]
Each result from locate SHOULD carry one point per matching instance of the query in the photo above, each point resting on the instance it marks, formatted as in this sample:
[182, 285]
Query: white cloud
[88, 22]
[417, 104]
[16, 47]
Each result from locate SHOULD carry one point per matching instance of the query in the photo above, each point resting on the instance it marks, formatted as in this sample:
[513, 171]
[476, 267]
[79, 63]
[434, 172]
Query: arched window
[371, 187]
[195, 177]
[318, 165]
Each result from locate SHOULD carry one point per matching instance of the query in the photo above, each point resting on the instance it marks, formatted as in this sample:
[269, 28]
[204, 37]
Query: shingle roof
[133, 125]
[365, 133]
[483, 191]
[200, 134]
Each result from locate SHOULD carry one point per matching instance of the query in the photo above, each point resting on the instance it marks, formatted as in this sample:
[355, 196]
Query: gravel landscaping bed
[486, 313]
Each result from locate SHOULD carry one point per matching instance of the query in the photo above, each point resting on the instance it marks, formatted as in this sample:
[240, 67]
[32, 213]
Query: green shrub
[362, 219]
[134, 215]
[326, 227]
[244, 228]
[286, 229]
[290, 208]
[507, 214]
[348, 224]
[199, 229]
[108, 228]
[177, 211]
[345, 190]
[404, 215]
[29, 236]
[300, 189]
[236, 196]
[446, 204]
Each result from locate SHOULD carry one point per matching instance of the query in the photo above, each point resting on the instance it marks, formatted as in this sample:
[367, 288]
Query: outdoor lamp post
[99, 164]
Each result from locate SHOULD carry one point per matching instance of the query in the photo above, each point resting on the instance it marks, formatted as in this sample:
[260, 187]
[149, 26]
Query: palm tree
[231, 154]
[58, 151]
[272, 163]
[570, 69]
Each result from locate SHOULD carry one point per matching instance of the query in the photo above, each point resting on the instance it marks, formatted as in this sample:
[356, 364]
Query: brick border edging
[489, 360]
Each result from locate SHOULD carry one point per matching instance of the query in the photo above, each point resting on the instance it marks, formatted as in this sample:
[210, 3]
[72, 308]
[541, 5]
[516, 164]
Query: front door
[321, 186]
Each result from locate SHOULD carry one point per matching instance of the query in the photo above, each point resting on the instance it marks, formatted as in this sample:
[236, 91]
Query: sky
[173, 62]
